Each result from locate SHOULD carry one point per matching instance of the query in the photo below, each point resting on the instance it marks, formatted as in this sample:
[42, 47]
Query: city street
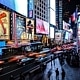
[70, 73]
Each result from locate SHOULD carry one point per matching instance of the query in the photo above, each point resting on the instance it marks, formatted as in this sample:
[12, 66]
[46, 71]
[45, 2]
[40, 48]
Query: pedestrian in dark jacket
[22, 77]
[57, 74]
[63, 74]
[11, 77]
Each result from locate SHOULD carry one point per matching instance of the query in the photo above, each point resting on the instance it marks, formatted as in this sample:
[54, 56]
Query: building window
[40, 9]
[35, 16]
[35, 6]
[42, 2]
[44, 12]
[40, 5]
[40, 14]
[37, 13]
[39, 17]
[44, 8]
[44, 16]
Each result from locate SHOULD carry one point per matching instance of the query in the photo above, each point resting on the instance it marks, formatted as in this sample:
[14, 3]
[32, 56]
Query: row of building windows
[42, 18]
[42, 1]
[41, 15]
[39, 12]
[39, 7]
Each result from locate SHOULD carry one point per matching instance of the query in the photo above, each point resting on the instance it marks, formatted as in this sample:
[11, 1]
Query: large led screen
[67, 35]
[65, 26]
[2, 45]
[51, 32]
[30, 8]
[52, 12]
[4, 24]
[19, 6]
[20, 26]
[30, 28]
[42, 27]
[58, 36]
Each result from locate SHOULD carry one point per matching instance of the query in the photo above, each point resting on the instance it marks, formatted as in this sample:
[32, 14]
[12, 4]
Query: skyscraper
[41, 9]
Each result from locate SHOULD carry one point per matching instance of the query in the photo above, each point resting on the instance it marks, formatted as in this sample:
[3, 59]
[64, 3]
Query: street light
[51, 8]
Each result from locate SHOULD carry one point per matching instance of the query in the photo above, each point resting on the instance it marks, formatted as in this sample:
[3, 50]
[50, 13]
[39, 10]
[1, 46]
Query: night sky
[69, 6]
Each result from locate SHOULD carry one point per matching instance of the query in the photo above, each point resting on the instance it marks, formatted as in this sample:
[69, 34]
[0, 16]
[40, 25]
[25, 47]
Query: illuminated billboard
[4, 24]
[30, 8]
[42, 27]
[19, 26]
[52, 32]
[16, 5]
[30, 28]
[52, 12]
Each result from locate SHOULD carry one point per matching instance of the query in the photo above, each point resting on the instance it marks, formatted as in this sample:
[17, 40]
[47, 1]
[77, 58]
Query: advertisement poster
[30, 8]
[16, 5]
[52, 32]
[20, 27]
[30, 28]
[4, 24]
[58, 37]
[42, 27]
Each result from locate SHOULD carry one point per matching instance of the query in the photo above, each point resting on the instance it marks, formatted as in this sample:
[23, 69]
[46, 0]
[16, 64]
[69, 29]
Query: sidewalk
[49, 73]
[70, 73]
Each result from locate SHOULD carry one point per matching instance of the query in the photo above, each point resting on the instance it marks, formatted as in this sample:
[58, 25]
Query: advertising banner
[20, 27]
[42, 27]
[30, 28]
[58, 37]
[4, 24]
[30, 8]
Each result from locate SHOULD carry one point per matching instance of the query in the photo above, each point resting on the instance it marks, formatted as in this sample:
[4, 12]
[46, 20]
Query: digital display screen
[52, 12]
[16, 5]
[20, 27]
[2, 44]
[51, 32]
[0, 51]
[30, 8]
[65, 26]
[42, 27]
[4, 24]
[66, 35]
[30, 28]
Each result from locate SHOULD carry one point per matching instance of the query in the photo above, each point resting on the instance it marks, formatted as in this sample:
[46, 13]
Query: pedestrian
[22, 77]
[49, 73]
[11, 77]
[57, 74]
[63, 74]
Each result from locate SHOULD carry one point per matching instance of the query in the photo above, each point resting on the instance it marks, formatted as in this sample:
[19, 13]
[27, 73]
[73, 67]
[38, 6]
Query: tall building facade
[59, 14]
[41, 9]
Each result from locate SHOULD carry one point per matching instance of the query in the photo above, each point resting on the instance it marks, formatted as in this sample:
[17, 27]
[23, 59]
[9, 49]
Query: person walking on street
[22, 77]
[57, 74]
[63, 74]
[11, 77]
